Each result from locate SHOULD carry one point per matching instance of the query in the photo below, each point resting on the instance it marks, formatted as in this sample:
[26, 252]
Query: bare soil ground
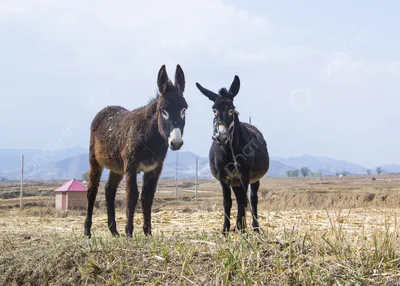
[314, 232]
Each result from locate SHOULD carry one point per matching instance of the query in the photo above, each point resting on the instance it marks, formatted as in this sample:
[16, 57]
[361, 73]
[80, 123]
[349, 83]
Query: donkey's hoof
[129, 234]
[147, 231]
[87, 233]
[115, 234]
[225, 232]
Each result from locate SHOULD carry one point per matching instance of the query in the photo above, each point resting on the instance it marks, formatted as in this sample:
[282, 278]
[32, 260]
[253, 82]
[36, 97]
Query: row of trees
[378, 171]
[293, 173]
[305, 171]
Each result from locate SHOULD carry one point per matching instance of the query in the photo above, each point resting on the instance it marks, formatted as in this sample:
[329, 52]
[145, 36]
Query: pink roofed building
[71, 195]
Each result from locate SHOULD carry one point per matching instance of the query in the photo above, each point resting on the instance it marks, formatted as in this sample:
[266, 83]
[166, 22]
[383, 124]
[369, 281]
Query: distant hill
[76, 165]
[73, 162]
[326, 165]
[63, 169]
[10, 159]
[277, 169]
[186, 165]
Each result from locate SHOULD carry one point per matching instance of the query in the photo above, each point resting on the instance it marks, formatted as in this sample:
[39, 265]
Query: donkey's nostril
[176, 145]
[222, 139]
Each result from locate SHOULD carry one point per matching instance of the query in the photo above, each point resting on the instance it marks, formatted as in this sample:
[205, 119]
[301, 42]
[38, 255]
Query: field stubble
[313, 233]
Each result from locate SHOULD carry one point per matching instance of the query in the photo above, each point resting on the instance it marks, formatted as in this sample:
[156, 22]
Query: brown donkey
[130, 142]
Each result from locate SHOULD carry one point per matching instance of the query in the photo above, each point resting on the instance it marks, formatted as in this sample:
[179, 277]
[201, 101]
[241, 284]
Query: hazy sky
[317, 78]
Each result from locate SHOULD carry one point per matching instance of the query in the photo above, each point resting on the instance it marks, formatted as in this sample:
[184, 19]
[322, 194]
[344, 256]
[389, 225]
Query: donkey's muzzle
[221, 134]
[221, 138]
[175, 139]
[176, 145]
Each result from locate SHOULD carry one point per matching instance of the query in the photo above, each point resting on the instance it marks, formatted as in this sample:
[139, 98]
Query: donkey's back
[108, 137]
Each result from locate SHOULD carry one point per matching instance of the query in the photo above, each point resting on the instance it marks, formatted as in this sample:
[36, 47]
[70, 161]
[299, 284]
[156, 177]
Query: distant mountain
[10, 159]
[65, 164]
[76, 165]
[277, 169]
[326, 165]
[65, 169]
[186, 165]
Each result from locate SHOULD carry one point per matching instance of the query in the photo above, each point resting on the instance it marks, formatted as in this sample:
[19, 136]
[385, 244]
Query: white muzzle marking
[175, 136]
[221, 128]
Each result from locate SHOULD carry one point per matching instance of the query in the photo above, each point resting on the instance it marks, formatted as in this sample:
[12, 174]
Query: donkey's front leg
[226, 193]
[132, 195]
[150, 180]
[241, 198]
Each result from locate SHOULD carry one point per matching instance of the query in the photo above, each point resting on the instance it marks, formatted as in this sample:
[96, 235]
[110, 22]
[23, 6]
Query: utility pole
[196, 181]
[248, 191]
[176, 175]
[22, 182]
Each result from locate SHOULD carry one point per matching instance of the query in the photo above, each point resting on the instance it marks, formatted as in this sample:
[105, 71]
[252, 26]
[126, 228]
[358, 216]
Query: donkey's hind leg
[94, 179]
[111, 189]
[253, 203]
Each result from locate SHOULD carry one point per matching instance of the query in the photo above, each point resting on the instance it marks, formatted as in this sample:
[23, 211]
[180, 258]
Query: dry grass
[295, 248]
[318, 245]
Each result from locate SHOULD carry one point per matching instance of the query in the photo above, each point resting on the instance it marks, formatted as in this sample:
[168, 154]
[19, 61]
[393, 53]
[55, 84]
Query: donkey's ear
[162, 80]
[211, 95]
[180, 79]
[235, 86]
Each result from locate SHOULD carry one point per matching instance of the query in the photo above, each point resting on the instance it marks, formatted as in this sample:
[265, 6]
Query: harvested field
[314, 232]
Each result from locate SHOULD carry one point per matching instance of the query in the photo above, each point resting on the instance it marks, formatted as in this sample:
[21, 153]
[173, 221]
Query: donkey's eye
[183, 111]
[231, 111]
[165, 114]
[215, 112]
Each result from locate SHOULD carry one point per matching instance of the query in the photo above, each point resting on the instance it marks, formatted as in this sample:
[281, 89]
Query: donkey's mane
[153, 99]
[223, 92]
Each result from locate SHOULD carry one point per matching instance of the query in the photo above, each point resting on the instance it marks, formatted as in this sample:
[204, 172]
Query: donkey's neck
[153, 134]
